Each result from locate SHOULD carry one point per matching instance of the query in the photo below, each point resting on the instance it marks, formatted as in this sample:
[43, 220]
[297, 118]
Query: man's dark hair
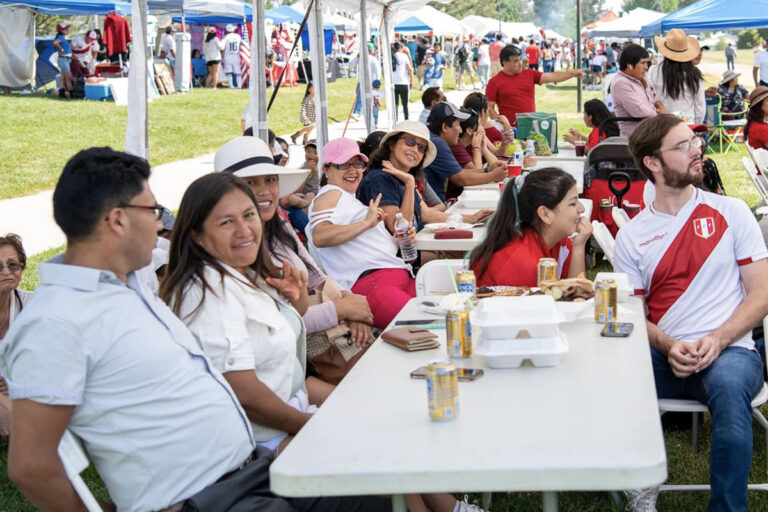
[396, 46]
[431, 94]
[436, 126]
[615, 45]
[508, 52]
[498, 37]
[94, 181]
[631, 55]
[169, 29]
[647, 137]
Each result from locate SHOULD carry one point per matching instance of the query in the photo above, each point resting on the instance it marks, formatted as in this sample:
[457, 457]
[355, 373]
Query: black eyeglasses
[12, 267]
[356, 165]
[157, 209]
[411, 142]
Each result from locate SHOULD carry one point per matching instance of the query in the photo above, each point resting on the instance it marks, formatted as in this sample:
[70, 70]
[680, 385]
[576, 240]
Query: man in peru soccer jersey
[700, 261]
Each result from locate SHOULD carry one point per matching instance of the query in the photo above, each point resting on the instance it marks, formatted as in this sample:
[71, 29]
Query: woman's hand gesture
[583, 231]
[292, 284]
[375, 214]
[403, 176]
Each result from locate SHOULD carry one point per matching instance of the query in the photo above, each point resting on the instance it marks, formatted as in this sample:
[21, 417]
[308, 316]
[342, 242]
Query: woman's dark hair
[602, 117]
[469, 123]
[754, 115]
[385, 150]
[631, 55]
[210, 36]
[545, 187]
[276, 235]
[679, 77]
[14, 241]
[186, 259]
[309, 86]
[371, 143]
[476, 101]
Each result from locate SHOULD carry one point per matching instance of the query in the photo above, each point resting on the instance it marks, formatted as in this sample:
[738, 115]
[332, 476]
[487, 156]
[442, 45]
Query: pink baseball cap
[340, 151]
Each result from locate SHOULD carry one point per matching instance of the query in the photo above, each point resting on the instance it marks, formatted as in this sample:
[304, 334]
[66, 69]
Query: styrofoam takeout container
[572, 311]
[508, 317]
[624, 289]
[511, 353]
[479, 198]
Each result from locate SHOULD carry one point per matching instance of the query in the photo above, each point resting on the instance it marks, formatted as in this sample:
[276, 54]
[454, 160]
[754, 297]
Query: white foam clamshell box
[511, 353]
[507, 317]
[479, 198]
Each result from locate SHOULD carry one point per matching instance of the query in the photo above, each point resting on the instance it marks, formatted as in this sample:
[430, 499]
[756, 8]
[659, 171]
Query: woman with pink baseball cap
[353, 243]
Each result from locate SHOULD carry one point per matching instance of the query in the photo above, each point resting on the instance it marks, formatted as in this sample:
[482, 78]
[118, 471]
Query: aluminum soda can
[605, 301]
[465, 281]
[458, 334]
[546, 270]
[442, 390]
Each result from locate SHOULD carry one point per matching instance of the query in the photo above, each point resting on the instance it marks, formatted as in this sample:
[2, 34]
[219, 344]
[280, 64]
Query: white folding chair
[75, 461]
[604, 239]
[760, 185]
[620, 217]
[695, 407]
[433, 277]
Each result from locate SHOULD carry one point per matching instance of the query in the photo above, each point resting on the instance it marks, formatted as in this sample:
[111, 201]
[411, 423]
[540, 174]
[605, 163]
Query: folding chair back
[75, 461]
[604, 239]
[433, 277]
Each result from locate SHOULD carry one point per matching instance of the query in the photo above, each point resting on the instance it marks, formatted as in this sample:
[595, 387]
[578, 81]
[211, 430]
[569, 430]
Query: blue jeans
[727, 387]
[358, 102]
[482, 73]
[375, 116]
[729, 62]
[234, 80]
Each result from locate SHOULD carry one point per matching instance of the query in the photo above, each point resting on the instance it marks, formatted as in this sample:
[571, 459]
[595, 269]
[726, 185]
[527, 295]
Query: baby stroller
[611, 179]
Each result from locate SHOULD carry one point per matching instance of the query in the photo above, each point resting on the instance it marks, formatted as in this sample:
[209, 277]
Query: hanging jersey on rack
[117, 34]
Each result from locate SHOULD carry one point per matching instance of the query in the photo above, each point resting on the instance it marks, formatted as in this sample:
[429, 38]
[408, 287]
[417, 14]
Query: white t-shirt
[599, 60]
[483, 55]
[400, 75]
[168, 45]
[212, 49]
[761, 61]
[687, 265]
[231, 59]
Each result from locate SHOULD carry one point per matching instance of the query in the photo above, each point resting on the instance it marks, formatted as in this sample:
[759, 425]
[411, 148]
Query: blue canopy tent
[72, 7]
[706, 15]
[218, 19]
[328, 30]
[284, 11]
[412, 24]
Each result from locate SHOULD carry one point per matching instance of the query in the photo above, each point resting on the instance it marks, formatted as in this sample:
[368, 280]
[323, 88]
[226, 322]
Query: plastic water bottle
[530, 148]
[518, 155]
[407, 248]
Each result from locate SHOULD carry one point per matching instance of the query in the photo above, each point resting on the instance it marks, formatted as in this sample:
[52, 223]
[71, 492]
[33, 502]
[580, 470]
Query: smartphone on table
[464, 374]
[617, 329]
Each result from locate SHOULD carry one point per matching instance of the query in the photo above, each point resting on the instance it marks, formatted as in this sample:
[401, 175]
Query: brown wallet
[411, 338]
[452, 233]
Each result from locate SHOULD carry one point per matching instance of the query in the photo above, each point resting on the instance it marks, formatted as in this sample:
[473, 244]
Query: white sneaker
[465, 506]
[642, 500]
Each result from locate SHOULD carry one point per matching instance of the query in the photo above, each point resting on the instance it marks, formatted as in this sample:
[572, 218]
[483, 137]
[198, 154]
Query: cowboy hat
[757, 95]
[417, 129]
[677, 46]
[728, 76]
[250, 156]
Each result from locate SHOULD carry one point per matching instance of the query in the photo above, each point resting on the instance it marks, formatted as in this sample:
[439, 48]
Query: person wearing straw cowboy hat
[756, 129]
[676, 80]
[732, 94]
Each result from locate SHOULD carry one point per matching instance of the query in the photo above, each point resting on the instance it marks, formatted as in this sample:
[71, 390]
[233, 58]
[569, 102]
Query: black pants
[401, 96]
[247, 490]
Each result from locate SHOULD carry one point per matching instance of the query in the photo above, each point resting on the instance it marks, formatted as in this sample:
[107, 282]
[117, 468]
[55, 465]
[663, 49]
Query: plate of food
[574, 289]
[431, 228]
[451, 302]
[501, 291]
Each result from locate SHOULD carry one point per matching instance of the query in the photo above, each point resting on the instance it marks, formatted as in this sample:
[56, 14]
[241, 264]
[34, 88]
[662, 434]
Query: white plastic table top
[426, 241]
[590, 423]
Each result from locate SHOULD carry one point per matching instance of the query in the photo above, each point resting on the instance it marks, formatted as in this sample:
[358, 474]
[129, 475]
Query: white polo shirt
[687, 265]
[761, 61]
[157, 421]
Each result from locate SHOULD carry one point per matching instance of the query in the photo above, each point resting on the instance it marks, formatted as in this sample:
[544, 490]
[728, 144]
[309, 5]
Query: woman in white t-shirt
[212, 49]
[483, 62]
[402, 77]
[245, 314]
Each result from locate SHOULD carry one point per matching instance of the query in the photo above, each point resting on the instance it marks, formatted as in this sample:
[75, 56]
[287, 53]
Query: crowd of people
[187, 352]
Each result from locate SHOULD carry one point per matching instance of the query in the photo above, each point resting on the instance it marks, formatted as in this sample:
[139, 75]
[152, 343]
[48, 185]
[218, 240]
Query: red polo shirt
[513, 94]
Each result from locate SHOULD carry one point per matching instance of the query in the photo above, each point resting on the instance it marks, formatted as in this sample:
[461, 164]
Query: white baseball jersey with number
[231, 54]
[687, 265]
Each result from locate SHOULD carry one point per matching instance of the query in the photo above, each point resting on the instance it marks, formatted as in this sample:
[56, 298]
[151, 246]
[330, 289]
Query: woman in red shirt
[595, 114]
[756, 129]
[536, 222]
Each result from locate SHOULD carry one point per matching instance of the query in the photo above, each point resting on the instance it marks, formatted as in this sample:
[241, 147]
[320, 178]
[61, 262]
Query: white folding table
[590, 423]
[426, 241]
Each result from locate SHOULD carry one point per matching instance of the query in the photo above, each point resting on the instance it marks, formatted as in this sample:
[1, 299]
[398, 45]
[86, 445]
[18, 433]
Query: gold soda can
[442, 390]
[605, 301]
[465, 281]
[546, 270]
[458, 333]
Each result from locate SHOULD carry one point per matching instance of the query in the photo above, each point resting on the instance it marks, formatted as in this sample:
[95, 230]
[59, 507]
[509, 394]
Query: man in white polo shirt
[760, 69]
[700, 261]
[98, 354]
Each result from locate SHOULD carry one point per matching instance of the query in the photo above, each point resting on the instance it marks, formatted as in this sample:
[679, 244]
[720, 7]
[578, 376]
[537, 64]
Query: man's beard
[674, 179]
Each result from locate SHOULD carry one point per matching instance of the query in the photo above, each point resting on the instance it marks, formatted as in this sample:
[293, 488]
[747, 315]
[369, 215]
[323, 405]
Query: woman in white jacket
[676, 80]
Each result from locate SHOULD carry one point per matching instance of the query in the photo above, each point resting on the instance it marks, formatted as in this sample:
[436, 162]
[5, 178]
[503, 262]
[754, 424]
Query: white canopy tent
[481, 25]
[442, 24]
[628, 25]
[521, 29]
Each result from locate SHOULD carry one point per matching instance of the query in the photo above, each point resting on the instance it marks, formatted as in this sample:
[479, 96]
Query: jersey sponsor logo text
[704, 227]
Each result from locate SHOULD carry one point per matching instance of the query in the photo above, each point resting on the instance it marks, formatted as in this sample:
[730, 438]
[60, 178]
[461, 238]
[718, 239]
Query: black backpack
[394, 59]
[78, 88]
[462, 54]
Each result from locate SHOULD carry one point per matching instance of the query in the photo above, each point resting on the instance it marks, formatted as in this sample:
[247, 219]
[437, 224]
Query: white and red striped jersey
[687, 265]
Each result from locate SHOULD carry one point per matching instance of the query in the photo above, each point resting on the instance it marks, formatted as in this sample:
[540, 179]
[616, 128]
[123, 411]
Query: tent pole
[257, 84]
[136, 140]
[386, 55]
[578, 54]
[317, 50]
[364, 69]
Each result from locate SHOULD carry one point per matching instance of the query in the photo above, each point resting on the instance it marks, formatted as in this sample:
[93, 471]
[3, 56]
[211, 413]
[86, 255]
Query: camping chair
[433, 278]
[760, 157]
[724, 131]
[695, 407]
[75, 461]
[760, 184]
[604, 239]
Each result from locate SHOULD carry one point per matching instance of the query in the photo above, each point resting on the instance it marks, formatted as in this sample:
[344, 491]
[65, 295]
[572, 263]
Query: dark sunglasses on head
[411, 142]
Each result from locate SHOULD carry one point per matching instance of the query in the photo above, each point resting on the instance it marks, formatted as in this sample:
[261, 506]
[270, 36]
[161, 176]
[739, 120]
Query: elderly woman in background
[13, 261]
[244, 312]
[732, 94]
